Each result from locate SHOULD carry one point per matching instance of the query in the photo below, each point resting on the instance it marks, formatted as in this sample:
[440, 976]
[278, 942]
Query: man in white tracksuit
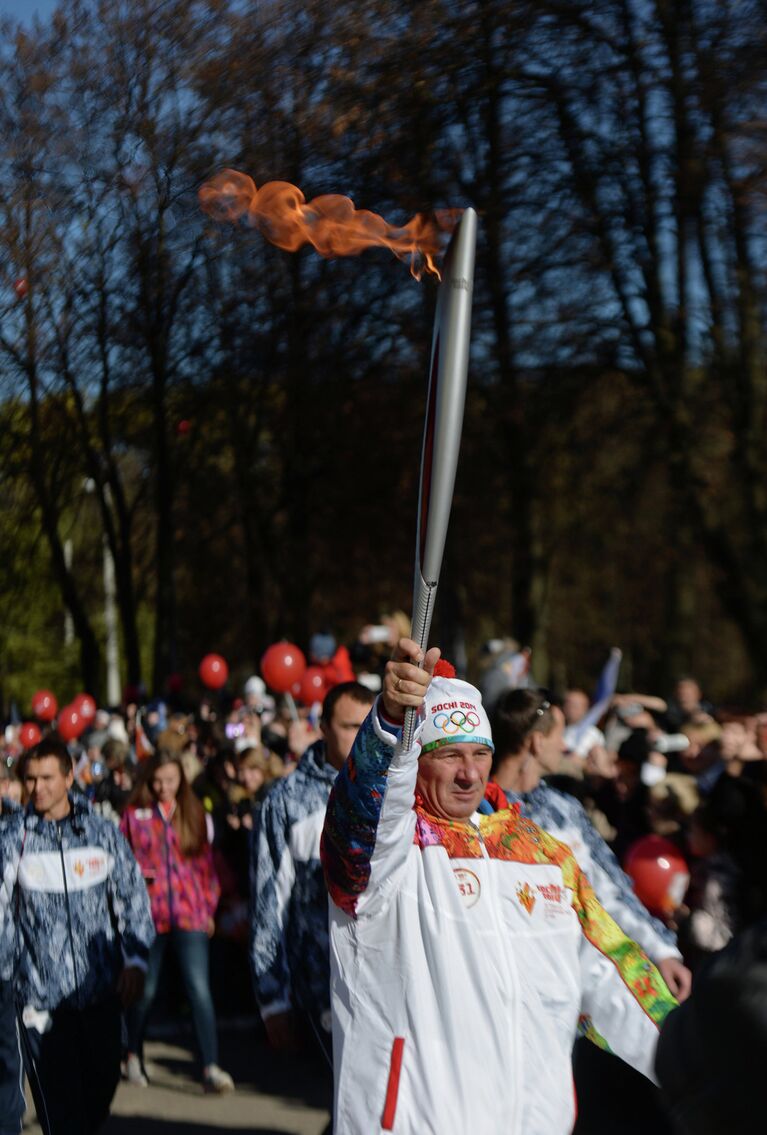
[464, 948]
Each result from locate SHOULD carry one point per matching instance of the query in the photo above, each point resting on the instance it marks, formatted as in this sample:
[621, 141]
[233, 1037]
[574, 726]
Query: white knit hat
[454, 714]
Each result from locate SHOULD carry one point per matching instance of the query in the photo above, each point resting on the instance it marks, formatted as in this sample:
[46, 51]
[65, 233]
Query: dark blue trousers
[12, 1104]
[74, 1068]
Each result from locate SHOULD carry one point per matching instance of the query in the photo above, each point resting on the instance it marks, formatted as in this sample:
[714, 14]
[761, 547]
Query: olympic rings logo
[456, 722]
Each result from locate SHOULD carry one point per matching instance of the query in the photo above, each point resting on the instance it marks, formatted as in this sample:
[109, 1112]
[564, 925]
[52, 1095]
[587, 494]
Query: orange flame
[330, 223]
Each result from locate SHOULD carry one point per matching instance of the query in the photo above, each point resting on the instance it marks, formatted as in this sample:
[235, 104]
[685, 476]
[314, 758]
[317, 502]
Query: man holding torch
[465, 948]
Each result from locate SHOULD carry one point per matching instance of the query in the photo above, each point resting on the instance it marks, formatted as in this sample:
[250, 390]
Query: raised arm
[370, 820]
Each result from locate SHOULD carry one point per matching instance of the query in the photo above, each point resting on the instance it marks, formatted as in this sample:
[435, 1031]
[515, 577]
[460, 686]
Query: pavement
[275, 1094]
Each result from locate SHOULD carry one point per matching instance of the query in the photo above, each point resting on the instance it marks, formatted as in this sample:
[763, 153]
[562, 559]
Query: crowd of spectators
[681, 768]
[690, 772]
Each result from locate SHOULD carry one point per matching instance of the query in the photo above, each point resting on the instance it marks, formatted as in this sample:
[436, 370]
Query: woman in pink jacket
[165, 825]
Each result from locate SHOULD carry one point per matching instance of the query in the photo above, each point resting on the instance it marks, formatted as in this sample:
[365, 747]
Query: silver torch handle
[442, 428]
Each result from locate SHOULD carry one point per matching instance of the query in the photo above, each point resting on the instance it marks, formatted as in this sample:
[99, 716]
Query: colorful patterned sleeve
[623, 996]
[613, 887]
[370, 820]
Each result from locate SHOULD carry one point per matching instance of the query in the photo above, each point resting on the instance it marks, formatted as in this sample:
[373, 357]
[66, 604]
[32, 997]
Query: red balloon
[313, 686]
[21, 287]
[85, 706]
[44, 705]
[70, 724]
[659, 872]
[214, 671]
[282, 665]
[183, 427]
[30, 734]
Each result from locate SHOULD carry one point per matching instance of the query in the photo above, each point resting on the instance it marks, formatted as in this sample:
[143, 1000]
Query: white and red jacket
[463, 957]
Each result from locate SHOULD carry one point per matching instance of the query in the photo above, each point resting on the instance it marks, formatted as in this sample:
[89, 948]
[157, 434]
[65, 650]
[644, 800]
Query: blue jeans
[191, 949]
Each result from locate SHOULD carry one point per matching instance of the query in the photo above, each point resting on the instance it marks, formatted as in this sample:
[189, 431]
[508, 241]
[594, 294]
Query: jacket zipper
[168, 874]
[69, 915]
[511, 967]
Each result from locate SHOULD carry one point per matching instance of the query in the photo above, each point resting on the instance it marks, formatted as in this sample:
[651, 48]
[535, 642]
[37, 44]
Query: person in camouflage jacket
[75, 932]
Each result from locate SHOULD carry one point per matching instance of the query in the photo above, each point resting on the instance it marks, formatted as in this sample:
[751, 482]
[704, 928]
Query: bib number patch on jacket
[469, 886]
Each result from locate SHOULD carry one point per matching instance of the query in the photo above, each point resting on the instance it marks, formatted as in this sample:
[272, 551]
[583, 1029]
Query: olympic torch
[442, 428]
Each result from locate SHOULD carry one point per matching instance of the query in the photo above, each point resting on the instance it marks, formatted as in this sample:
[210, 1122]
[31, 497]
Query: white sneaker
[215, 1079]
[133, 1072]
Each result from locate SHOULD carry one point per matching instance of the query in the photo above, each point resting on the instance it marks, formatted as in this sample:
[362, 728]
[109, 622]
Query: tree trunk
[165, 657]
